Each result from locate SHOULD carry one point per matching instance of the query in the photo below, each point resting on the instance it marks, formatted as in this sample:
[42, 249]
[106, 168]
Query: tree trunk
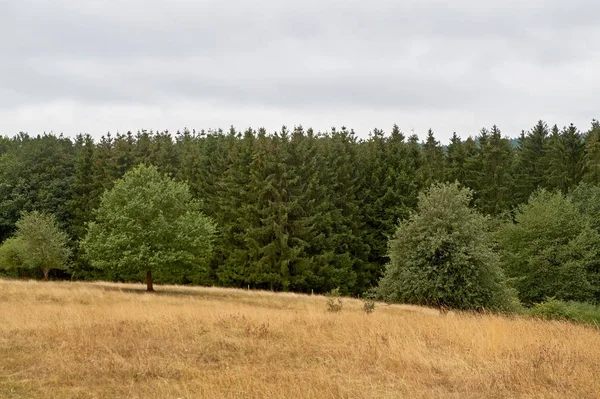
[46, 273]
[149, 287]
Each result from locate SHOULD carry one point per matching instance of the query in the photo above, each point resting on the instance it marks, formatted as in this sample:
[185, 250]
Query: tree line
[299, 210]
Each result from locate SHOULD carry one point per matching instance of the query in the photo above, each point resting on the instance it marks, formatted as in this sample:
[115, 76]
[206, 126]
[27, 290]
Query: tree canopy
[442, 255]
[148, 223]
[550, 250]
[38, 245]
[296, 209]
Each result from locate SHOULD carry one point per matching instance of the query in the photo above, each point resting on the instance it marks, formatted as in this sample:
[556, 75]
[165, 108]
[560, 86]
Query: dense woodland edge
[297, 210]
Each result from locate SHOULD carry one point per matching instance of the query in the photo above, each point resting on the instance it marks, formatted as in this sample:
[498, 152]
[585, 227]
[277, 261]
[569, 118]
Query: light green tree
[550, 250]
[38, 244]
[148, 223]
[442, 256]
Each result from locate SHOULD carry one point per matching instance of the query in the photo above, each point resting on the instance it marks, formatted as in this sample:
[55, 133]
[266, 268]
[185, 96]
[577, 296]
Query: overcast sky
[94, 66]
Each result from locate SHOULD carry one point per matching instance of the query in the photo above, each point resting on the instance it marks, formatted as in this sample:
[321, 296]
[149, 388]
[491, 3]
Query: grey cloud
[422, 56]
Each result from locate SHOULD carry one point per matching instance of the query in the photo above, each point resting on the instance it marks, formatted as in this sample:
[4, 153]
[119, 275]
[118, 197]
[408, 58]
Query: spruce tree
[565, 158]
[433, 160]
[83, 186]
[456, 158]
[494, 186]
[592, 154]
[531, 162]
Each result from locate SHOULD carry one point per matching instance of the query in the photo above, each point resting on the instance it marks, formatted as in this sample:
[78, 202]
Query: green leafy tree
[148, 223]
[442, 255]
[10, 255]
[550, 250]
[586, 197]
[38, 245]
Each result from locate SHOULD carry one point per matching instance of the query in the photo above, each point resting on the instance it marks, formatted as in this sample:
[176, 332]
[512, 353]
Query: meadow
[107, 340]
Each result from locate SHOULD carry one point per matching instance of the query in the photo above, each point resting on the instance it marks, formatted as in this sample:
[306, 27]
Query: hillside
[102, 340]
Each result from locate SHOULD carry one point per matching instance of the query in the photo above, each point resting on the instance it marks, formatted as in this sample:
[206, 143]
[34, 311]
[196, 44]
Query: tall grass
[83, 340]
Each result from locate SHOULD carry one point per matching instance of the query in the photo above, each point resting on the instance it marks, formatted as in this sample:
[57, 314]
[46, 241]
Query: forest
[305, 211]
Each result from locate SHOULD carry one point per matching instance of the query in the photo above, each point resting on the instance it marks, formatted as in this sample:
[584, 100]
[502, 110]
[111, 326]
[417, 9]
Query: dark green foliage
[531, 164]
[494, 185]
[550, 250]
[456, 160]
[442, 256]
[592, 154]
[565, 162]
[390, 184]
[433, 161]
[297, 210]
[35, 174]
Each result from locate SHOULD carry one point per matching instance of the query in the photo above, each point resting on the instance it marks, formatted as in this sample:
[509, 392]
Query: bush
[368, 306]
[37, 246]
[334, 303]
[443, 256]
[369, 300]
[554, 309]
[550, 251]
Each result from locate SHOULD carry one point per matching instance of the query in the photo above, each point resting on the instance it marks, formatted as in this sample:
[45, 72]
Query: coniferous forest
[297, 210]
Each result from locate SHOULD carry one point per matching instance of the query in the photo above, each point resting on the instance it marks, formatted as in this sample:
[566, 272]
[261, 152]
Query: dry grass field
[101, 340]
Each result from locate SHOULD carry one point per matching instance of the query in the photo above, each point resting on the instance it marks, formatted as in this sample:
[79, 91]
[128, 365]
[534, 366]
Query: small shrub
[368, 306]
[334, 303]
[369, 300]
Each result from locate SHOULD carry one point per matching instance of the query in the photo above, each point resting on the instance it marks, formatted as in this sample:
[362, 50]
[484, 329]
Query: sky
[72, 66]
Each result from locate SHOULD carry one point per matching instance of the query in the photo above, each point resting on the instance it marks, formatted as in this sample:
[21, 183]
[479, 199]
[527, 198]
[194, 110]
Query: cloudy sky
[115, 65]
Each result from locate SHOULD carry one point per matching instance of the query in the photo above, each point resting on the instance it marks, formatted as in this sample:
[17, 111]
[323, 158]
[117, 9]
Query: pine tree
[565, 158]
[592, 154]
[123, 153]
[163, 154]
[456, 160]
[35, 174]
[105, 171]
[531, 163]
[389, 192]
[83, 186]
[230, 202]
[433, 160]
[494, 182]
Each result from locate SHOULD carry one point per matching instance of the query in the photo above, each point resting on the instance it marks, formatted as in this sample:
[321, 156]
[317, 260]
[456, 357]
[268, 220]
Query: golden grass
[101, 340]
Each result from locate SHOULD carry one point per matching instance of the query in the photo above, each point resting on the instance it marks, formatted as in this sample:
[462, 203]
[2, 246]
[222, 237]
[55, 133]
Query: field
[101, 340]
